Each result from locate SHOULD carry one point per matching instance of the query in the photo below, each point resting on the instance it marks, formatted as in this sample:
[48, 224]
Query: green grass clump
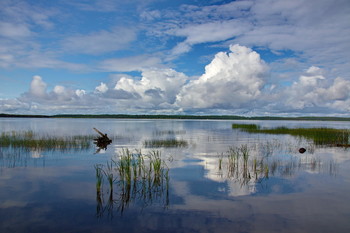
[138, 177]
[156, 143]
[320, 136]
[246, 127]
[244, 165]
[30, 140]
[99, 177]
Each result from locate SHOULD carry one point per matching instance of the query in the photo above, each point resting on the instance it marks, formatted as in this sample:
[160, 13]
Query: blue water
[55, 191]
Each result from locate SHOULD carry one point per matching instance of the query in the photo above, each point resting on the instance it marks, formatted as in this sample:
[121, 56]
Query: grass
[169, 132]
[156, 143]
[320, 136]
[31, 140]
[246, 164]
[99, 178]
[136, 177]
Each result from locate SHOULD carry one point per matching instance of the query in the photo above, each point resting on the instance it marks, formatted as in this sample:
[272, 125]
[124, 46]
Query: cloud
[102, 88]
[295, 26]
[14, 30]
[22, 16]
[231, 80]
[80, 93]
[150, 15]
[96, 5]
[59, 96]
[134, 63]
[100, 42]
[234, 82]
[157, 88]
[37, 87]
[312, 94]
[208, 32]
[13, 105]
[25, 29]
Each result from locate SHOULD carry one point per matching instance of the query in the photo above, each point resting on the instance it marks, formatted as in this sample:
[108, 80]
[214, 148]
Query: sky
[205, 57]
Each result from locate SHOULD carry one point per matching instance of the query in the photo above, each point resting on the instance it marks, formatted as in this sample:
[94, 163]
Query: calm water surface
[276, 190]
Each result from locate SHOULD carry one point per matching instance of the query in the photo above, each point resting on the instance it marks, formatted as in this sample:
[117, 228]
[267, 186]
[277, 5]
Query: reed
[139, 177]
[108, 172]
[156, 162]
[169, 132]
[220, 161]
[245, 153]
[30, 140]
[233, 156]
[242, 167]
[246, 127]
[266, 171]
[99, 178]
[156, 143]
[320, 136]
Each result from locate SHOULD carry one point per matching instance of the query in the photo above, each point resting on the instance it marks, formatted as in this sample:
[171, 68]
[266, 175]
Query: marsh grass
[99, 178]
[156, 143]
[134, 177]
[242, 166]
[319, 136]
[30, 140]
[169, 132]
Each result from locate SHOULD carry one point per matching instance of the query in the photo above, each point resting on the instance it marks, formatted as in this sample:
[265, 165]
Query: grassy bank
[320, 136]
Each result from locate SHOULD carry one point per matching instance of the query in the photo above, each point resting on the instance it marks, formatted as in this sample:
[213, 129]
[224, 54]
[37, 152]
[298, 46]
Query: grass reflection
[133, 177]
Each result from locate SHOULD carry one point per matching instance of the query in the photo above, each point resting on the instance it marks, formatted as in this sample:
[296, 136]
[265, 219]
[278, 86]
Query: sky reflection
[274, 189]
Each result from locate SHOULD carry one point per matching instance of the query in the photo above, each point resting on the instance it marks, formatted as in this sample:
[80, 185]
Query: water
[55, 191]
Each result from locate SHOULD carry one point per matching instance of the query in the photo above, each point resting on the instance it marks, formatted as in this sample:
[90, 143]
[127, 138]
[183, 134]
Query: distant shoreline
[188, 117]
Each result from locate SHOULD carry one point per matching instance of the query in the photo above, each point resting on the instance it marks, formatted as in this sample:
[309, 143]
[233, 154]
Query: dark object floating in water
[103, 141]
[302, 150]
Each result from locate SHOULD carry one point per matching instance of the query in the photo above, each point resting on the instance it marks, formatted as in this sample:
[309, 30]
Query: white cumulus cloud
[38, 87]
[155, 88]
[234, 82]
[102, 88]
[313, 93]
[231, 80]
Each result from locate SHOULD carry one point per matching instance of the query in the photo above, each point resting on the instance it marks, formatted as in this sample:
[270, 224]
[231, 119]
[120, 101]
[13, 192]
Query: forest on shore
[189, 117]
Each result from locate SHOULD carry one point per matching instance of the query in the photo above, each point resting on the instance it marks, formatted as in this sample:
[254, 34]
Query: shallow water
[55, 191]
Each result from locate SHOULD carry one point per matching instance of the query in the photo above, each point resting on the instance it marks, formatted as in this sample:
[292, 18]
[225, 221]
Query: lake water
[276, 189]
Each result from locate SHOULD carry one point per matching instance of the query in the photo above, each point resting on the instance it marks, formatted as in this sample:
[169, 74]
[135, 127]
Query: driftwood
[103, 141]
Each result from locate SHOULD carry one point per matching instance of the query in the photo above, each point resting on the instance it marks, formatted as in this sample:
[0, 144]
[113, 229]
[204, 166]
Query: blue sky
[263, 57]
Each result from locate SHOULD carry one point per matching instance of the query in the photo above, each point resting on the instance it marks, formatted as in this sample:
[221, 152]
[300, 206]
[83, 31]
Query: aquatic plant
[220, 161]
[243, 167]
[246, 127]
[31, 140]
[109, 175]
[138, 177]
[319, 136]
[169, 132]
[99, 178]
[156, 143]
[245, 153]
